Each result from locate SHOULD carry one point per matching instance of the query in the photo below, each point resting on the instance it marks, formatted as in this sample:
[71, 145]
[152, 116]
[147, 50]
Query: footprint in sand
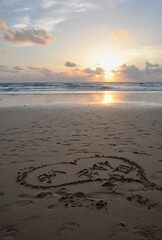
[119, 231]
[67, 228]
[44, 195]
[148, 232]
[21, 203]
[157, 175]
[26, 196]
[53, 206]
[10, 234]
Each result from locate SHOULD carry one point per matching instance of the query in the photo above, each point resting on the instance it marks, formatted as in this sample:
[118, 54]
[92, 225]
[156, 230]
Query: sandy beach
[81, 120]
[81, 172]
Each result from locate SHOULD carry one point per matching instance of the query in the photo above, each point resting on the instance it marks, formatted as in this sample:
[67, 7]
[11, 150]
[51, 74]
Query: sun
[107, 64]
[108, 61]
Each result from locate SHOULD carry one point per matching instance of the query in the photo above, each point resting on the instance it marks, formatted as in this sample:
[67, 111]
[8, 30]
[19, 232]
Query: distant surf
[52, 87]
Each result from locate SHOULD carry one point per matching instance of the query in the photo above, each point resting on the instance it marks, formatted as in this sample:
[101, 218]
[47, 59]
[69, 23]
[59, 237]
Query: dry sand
[81, 173]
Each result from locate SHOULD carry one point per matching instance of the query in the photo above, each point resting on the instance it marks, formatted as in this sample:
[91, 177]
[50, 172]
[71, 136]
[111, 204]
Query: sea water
[52, 87]
[48, 93]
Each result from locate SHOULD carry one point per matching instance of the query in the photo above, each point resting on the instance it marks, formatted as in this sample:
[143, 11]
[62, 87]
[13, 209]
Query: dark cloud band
[25, 36]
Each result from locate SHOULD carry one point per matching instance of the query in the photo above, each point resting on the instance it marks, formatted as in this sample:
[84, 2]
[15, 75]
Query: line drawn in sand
[98, 168]
[109, 171]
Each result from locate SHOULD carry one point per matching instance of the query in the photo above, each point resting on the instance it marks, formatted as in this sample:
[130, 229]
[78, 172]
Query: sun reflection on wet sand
[103, 98]
[108, 97]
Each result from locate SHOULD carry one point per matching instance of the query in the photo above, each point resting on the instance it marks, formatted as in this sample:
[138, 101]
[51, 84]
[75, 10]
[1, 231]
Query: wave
[49, 87]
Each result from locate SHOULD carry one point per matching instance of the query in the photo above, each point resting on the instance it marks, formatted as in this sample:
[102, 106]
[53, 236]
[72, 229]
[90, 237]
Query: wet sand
[81, 172]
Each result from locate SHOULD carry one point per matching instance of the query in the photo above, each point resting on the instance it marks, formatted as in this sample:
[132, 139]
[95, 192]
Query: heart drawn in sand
[84, 170]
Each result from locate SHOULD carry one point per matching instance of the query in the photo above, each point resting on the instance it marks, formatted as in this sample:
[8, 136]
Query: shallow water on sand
[82, 97]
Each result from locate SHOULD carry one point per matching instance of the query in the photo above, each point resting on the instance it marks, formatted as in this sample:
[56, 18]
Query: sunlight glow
[108, 64]
[108, 97]
[108, 61]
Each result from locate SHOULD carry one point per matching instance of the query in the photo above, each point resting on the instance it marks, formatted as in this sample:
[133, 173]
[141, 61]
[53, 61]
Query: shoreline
[107, 98]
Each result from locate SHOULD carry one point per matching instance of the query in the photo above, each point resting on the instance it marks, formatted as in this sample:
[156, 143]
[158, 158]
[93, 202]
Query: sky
[80, 40]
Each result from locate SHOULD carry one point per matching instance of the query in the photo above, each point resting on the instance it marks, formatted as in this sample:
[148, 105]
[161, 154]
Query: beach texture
[81, 172]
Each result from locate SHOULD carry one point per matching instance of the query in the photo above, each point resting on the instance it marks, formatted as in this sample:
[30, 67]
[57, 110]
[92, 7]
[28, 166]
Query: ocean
[23, 94]
[52, 87]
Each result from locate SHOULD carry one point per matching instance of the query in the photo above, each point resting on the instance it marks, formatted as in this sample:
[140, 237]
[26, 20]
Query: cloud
[151, 72]
[2, 50]
[48, 3]
[70, 6]
[42, 74]
[144, 52]
[151, 69]
[7, 69]
[43, 70]
[37, 74]
[111, 3]
[23, 22]
[18, 68]
[70, 64]
[3, 25]
[79, 5]
[127, 72]
[25, 36]
[56, 12]
[7, 2]
[3, 68]
[22, 9]
[25, 70]
[152, 66]
[123, 35]
[99, 71]
[48, 22]
[33, 68]
[43, 14]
